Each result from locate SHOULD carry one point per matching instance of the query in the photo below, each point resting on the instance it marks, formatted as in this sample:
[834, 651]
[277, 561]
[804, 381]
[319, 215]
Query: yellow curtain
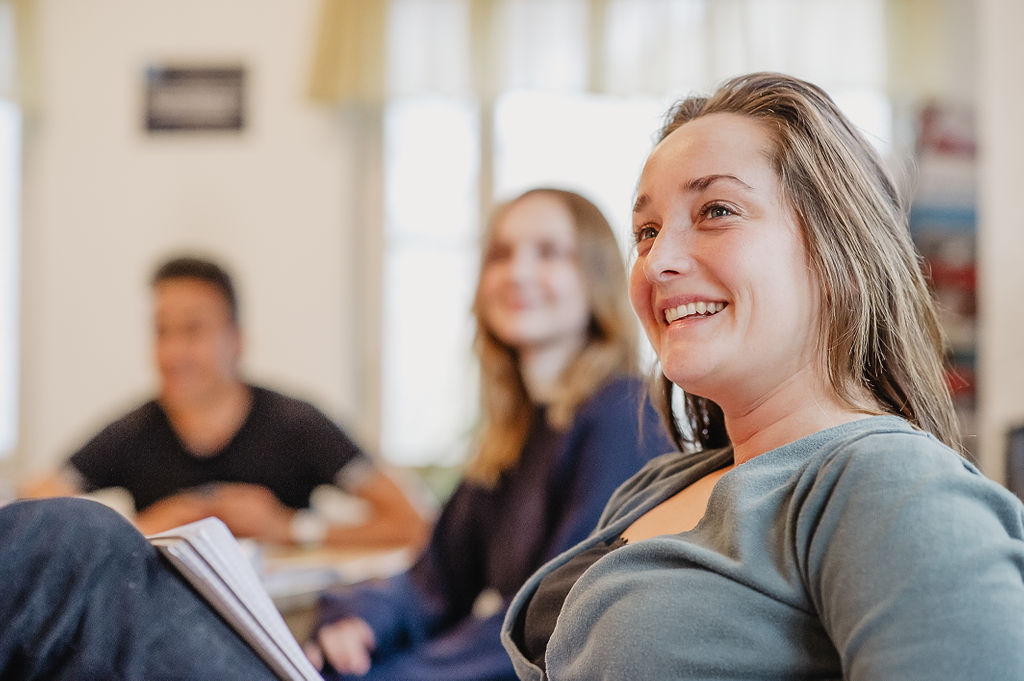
[349, 61]
[18, 76]
[645, 58]
[931, 46]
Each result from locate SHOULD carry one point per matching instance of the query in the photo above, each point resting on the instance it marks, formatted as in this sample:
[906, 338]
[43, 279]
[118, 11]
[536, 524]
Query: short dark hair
[191, 267]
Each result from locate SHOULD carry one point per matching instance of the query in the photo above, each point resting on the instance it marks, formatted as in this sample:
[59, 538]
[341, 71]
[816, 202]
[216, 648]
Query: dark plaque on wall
[195, 98]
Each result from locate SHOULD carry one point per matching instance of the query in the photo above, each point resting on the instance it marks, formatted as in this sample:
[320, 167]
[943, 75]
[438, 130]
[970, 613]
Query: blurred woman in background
[562, 428]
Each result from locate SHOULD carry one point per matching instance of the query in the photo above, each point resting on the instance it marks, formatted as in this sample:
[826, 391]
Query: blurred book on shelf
[943, 222]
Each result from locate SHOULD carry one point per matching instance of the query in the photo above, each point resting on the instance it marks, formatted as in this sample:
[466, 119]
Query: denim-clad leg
[84, 596]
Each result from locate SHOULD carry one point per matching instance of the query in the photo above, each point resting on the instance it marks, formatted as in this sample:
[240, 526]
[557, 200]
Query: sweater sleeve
[914, 562]
[438, 589]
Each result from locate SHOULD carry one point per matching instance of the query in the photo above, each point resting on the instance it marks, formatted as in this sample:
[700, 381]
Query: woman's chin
[688, 375]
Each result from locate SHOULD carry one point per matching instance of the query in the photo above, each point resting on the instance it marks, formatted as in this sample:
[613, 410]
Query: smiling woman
[879, 326]
[532, 294]
[818, 519]
[713, 229]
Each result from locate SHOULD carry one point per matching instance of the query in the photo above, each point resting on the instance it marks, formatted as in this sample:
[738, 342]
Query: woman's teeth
[702, 308]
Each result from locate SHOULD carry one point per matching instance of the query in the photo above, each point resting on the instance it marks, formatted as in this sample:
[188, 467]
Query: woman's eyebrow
[697, 184]
[641, 201]
[701, 183]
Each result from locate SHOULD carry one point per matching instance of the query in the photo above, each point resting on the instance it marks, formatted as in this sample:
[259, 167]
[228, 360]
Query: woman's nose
[670, 255]
[522, 263]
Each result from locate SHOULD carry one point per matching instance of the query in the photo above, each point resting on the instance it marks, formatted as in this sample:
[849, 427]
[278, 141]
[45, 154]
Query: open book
[209, 557]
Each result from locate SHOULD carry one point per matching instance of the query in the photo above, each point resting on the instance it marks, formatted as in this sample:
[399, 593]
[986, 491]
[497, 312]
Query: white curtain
[627, 47]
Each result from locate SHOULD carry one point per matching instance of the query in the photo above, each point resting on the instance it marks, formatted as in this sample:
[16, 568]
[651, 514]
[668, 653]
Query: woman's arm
[436, 591]
[916, 565]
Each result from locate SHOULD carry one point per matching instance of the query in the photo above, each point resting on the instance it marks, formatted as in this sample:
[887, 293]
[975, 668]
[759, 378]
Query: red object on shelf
[960, 380]
[959, 276]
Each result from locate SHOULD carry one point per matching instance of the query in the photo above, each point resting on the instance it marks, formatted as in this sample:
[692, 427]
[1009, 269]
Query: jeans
[84, 596]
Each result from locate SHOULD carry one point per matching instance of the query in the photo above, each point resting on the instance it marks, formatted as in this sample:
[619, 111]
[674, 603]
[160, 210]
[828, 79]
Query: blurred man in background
[212, 444]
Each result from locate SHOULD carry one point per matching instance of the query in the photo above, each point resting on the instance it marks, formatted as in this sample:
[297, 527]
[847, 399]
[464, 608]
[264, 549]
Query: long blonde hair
[609, 350]
[879, 331]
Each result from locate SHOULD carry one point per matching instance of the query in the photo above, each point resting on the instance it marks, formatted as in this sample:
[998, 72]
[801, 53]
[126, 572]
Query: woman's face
[722, 282]
[532, 294]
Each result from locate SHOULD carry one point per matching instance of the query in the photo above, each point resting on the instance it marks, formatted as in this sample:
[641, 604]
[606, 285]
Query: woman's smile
[690, 311]
[722, 282]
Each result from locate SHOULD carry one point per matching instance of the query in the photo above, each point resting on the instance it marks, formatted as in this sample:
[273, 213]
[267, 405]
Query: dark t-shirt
[533, 628]
[284, 444]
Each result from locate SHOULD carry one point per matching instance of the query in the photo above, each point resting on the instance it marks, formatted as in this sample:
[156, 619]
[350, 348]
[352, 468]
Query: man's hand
[172, 511]
[252, 511]
[346, 644]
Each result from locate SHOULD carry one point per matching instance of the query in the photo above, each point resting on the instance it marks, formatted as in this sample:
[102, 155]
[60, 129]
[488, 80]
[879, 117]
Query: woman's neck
[542, 367]
[793, 410]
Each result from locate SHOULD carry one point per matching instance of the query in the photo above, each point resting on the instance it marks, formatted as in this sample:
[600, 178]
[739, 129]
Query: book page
[209, 557]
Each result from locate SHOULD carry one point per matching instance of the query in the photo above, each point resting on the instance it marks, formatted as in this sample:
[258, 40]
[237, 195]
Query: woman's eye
[497, 254]
[552, 251]
[716, 210]
[644, 233]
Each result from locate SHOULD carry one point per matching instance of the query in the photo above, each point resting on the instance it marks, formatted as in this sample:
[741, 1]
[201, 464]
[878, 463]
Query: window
[431, 161]
[431, 260]
[9, 258]
[487, 99]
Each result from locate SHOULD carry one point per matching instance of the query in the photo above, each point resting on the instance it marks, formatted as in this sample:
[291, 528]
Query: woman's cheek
[640, 298]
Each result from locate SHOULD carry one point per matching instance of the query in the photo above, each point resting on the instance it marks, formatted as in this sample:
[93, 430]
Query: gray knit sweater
[865, 551]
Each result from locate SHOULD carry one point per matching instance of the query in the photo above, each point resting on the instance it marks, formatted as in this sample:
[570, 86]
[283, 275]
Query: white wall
[104, 201]
[1001, 228]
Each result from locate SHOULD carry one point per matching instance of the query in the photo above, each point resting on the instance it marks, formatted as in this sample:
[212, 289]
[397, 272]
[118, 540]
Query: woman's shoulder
[886, 458]
[888, 445]
[885, 486]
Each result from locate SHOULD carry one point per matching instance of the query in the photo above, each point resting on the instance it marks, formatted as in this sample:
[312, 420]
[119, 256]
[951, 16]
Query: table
[296, 577]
